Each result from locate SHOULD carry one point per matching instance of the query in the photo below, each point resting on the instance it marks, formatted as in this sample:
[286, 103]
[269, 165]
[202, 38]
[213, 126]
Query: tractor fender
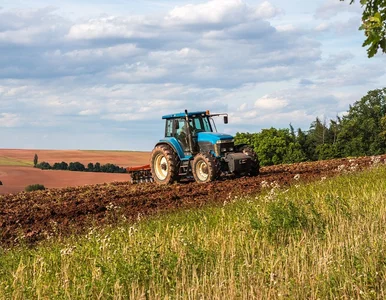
[175, 145]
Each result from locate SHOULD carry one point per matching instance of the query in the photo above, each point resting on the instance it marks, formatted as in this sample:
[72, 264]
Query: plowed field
[30, 217]
[17, 172]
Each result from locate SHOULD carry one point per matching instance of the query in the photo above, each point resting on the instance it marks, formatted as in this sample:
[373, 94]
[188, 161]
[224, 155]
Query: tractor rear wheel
[164, 164]
[255, 167]
[205, 168]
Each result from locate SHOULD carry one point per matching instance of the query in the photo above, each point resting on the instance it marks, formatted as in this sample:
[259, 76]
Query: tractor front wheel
[164, 165]
[205, 168]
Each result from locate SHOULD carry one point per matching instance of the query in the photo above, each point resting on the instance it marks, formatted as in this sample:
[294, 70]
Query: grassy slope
[8, 161]
[323, 240]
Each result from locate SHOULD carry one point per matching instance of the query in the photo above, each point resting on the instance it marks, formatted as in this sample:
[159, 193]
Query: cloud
[9, 120]
[131, 27]
[219, 13]
[113, 71]
[332, 8]
[268, 103]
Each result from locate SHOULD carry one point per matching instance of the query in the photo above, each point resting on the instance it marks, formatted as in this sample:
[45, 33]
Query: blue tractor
[192, 148]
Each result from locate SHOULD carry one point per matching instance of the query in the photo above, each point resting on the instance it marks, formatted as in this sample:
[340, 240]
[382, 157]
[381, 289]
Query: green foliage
[44, 166]
[362, 131]
[97, 167]
[76, 166]
[111, 168]
[273, 146]
[362, 128]
[60, 166]
[90, 167]
[374, 25]
[326, 151]
[36, 159]
[34, 187]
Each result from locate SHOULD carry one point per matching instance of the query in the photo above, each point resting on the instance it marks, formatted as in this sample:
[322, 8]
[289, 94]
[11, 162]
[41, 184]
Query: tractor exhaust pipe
[189, 134]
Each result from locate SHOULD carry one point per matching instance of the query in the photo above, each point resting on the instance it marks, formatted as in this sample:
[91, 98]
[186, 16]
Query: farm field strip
[17, 172]
[30, 217]
[9, 161]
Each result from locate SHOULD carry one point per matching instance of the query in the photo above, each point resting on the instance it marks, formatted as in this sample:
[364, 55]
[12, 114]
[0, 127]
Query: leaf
[372, 50]
[383, 44]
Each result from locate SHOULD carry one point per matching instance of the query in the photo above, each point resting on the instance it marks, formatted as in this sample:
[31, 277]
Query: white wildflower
[264, 184]
[341, 168]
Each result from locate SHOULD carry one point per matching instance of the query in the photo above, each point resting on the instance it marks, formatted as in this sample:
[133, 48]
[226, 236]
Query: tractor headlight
[225, 141]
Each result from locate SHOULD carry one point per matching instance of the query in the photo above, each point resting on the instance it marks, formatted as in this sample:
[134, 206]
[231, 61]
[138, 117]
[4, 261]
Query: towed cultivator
[193, 149]
[140, 174]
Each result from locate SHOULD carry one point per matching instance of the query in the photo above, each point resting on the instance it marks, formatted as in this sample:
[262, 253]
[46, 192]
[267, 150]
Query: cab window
[202, 124]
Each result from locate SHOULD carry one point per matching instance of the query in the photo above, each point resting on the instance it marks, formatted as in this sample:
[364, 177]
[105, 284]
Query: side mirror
[176, 124]
[225, 119]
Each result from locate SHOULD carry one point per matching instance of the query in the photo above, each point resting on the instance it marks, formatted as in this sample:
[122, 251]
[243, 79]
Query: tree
[90, 167]
[97, 167]
[60, 166]
[361, 131]
[76, 166]
[44, 166]
[374, 25]
[35, 160]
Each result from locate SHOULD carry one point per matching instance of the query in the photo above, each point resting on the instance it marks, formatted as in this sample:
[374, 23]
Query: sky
[100, 74]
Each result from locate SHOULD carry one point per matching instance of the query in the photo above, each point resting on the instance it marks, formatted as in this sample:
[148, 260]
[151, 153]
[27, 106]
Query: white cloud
[269, 103]
[266, 10]
[100, 73]
[220, 12]
[286, 28]
[331, 8]
[9, 120]
[89, 112]
[111, 27]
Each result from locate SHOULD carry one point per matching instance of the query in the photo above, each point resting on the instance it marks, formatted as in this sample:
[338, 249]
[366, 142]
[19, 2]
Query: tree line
[77, 166]
[360, 132]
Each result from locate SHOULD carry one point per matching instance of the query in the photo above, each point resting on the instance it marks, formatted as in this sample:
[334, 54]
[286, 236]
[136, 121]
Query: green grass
[8, 161]
[325, 240]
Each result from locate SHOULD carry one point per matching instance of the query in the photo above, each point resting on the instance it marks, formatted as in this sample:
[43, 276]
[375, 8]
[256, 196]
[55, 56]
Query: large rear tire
[164, 164]
[205, 168]
[255, 167]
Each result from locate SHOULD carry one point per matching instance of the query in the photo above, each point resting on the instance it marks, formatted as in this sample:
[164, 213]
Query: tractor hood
[213, 137]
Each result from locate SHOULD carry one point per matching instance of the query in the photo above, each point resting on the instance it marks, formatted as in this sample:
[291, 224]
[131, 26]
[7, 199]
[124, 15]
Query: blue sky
[99, 75]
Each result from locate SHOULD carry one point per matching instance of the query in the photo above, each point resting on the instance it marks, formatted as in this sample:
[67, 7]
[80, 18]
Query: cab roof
[182, 115]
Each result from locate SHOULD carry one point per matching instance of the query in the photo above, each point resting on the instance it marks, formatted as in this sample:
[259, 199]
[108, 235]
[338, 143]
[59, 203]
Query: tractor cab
[194, 130]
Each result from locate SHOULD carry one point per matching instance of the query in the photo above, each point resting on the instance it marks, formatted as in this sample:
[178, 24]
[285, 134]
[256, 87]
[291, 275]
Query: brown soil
[34, 216]
[16, 178]
[120, 158]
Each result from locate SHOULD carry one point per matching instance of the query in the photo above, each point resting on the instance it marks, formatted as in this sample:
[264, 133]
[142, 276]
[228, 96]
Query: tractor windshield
[201, 124]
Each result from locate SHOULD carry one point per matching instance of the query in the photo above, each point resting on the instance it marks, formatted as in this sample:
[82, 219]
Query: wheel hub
[202, 170]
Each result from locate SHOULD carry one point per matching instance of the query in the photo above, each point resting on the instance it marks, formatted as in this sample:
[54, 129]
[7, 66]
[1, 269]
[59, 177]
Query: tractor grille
[223, 148]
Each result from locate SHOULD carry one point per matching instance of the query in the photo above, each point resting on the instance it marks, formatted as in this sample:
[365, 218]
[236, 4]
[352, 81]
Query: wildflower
[375, 160]
[264, 184]
[341, 168]
[67, 251]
